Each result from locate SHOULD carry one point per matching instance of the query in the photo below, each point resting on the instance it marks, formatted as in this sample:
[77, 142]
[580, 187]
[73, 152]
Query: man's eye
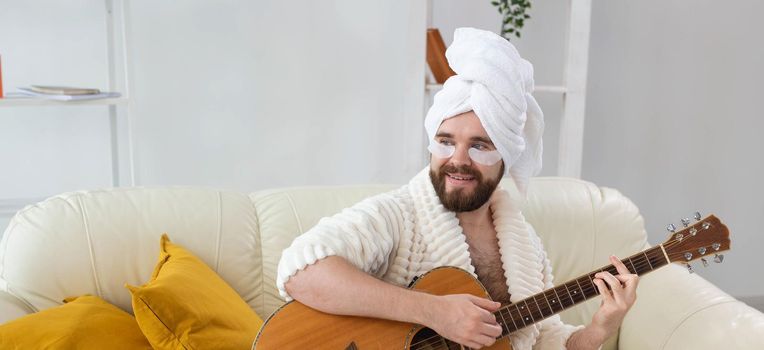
[445, 142]
[480, 147]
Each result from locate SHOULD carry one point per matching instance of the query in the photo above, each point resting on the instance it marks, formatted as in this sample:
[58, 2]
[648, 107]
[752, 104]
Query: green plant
[514, 16]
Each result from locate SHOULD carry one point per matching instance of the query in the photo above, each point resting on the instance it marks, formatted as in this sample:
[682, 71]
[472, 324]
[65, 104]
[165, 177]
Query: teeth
[460, 178]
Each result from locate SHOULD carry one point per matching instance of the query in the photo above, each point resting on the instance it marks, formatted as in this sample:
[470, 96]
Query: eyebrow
[473, 138]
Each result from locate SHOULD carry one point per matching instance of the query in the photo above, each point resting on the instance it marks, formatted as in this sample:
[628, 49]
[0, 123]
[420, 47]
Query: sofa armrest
[730, 325]
[677, 310]
[12, 307]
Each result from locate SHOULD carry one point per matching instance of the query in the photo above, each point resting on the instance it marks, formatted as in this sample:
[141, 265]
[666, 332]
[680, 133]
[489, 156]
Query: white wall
[230, 94]
[251, 95]
[672, 118]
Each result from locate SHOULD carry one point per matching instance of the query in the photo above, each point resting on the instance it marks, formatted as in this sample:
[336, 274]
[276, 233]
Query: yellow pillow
[85, 322]
[186, 305]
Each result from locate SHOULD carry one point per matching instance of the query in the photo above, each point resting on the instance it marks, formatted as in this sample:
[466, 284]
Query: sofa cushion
[186, 305]
[85, 322]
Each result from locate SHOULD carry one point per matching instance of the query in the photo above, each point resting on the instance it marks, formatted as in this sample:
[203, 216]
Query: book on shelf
[436, 56]
[62, 93]
[62, 90]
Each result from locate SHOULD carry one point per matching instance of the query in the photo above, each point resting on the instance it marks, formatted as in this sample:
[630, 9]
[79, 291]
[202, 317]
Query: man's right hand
[465, 319]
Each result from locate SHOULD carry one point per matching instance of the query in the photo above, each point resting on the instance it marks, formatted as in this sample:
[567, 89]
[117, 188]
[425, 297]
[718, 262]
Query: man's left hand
[616, 301]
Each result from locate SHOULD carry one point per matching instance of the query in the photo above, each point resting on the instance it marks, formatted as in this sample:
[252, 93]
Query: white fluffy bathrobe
[407, 232]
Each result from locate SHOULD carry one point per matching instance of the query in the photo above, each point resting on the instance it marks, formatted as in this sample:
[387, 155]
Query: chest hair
[487, 261]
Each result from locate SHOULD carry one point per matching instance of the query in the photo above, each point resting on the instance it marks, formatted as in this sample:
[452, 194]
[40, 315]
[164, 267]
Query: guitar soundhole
[427, 339]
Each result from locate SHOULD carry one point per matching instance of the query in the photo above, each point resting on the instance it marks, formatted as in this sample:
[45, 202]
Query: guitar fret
[633, 269]
[591, 281]
[657, 258]
[556, 300]
[551, 311]
[662, 258]
[512, 317]
[529, 310]
[538, 308]
[567, 292]
[570, 296]
[594, 291]
[575, 292]
[503, 324]
[648, 260]
[552, 301]
[522, 317]
[557, 296]
[645, 263]
[638, 266]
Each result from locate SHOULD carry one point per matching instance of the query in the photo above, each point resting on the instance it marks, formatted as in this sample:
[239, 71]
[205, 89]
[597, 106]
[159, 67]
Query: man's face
[462, 184]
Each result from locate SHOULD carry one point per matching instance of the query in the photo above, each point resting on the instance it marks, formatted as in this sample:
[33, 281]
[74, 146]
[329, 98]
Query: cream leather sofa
[96, 241]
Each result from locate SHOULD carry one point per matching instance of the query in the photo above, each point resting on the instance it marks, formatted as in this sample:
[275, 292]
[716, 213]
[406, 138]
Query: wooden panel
[436, 56]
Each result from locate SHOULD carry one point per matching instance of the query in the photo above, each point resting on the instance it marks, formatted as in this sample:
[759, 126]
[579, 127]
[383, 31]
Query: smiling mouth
[461, 177]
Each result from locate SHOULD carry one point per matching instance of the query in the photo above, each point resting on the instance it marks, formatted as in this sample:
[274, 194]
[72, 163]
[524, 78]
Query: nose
[461, 156]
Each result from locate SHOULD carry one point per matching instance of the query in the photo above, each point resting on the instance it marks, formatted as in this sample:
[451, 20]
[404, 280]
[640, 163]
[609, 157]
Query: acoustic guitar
[297, 326]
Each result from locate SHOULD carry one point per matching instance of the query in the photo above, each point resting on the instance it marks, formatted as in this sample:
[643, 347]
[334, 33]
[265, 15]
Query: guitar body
[296, 326]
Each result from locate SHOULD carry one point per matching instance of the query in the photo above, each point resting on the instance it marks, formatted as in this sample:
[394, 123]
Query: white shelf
[20, 101]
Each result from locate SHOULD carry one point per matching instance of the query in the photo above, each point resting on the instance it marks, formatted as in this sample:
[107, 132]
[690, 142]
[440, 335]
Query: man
[483, 125]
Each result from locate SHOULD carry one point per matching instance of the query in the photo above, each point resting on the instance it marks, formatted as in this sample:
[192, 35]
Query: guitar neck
[552, 301]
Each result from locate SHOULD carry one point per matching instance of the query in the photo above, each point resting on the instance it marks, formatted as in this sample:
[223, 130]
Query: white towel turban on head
[496, 83]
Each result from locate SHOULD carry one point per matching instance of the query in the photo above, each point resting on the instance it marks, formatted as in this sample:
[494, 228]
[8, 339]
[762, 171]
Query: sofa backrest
[93, 242]
[96, 241]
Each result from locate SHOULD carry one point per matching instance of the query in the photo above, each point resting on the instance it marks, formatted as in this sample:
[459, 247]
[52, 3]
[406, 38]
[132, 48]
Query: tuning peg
[689, 268]
[686, 222]
[718, 258]
[704, 261]
[671, 228]
[697, 216]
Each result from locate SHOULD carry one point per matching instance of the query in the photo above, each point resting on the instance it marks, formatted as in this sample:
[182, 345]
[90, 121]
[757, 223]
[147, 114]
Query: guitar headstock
[707, 236]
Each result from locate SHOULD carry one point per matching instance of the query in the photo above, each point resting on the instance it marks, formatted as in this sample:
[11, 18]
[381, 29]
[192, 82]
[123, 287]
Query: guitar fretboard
[552, 301]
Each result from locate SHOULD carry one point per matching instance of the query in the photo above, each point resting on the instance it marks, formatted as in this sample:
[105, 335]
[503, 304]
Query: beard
[457, 200]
